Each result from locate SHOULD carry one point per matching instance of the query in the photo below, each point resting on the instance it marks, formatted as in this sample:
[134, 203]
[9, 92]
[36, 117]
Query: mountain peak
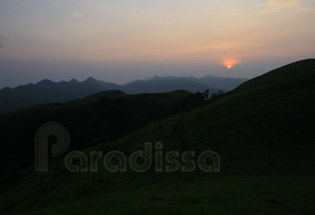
[45, 81]
[73, 80]
[91, 79]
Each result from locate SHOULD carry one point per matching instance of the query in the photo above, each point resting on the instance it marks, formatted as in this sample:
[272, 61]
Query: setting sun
[229, 63]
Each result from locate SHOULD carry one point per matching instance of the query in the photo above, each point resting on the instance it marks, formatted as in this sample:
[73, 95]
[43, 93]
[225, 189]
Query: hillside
[263, 131]
[93, 120]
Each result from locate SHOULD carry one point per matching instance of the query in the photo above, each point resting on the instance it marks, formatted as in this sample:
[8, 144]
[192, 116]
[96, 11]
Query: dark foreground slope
[263, 132]
[93, 120]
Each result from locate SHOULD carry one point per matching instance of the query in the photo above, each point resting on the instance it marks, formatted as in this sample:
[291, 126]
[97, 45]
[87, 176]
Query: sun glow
[229, 63]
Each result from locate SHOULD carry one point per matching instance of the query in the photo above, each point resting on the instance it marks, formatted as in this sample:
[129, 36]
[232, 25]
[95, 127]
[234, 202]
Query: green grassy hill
[263, 131]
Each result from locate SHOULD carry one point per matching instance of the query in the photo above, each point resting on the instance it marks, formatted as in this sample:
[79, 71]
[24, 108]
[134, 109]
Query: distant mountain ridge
[47, 91]
[223, 83]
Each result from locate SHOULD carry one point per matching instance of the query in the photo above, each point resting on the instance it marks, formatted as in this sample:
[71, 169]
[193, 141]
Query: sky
[123, 40]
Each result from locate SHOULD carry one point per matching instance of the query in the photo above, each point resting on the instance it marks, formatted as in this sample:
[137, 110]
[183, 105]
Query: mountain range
[47, 91]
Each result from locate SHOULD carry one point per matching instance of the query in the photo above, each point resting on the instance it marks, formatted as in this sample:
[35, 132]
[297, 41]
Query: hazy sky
[121, 40]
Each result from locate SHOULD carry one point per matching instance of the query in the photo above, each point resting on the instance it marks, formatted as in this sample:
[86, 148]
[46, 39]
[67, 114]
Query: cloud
[304, 9]
[78, 15]
[275, 6]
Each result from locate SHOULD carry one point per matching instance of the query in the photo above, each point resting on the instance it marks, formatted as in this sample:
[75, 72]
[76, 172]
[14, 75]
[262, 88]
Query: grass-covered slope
[263, 131]
[288, 71]
[93, 120]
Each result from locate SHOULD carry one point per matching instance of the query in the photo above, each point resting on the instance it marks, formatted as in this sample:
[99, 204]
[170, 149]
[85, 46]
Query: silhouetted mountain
[223, 83]
[47, 91]
[165, 85]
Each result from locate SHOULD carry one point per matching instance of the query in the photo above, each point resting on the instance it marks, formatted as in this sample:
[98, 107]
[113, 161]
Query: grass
[263, 132]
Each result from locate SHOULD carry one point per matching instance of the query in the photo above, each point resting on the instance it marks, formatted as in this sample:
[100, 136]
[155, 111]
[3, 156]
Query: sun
[229, 63]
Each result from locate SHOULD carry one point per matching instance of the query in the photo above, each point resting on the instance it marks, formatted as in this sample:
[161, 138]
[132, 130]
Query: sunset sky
[120, 40]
